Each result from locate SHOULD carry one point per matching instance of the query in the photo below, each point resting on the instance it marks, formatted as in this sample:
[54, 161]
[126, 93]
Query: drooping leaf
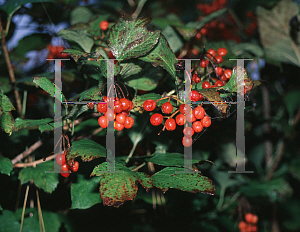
[80, 14]
[47, 85]
[116, 188]
[81, 37]
[5, 85]
[32, 124]
[212, 96]
[129, 69]
[75, 54]
[274, 30]
[190, 182]
[45, 180]
[7, 122]
[130, 38]
[173, 39]
[146, 80]
[5, 104]
[292, 101]
[6, 165]
[10, 7]
[86, 149]
[85, 193]
[90, 94]
[162, 55]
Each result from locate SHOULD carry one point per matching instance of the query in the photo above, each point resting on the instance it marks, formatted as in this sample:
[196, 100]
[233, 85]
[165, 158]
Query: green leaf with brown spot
[116, 188]
[5, 104]
[7, 122]
[41, 176]
[130, 38]
[162, 55]
[189, 182]
[213, 96]
[6, 165]
[86, 149]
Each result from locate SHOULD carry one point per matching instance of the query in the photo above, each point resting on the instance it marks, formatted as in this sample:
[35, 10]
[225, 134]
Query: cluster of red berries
[252, 25]
[119, 115]
[250, 224]
[55, 52]
[170, 124]
[64, 167]
[103, 25]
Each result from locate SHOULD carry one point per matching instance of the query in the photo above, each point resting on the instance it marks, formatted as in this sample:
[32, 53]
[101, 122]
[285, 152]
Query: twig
[138, 167]
[139, 8]
[24, 206]
[22, 165]
[277, 159]
[10, 69]
[27, 152]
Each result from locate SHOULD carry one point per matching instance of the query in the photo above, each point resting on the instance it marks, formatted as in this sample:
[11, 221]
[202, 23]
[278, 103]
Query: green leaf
[86, 149]
[90, 94]
[212, 96]
[84, 193]
[163, 56]
[169, 159]
[5, 104]
[172, 38]
[46, 181]
[116, 188]
[12, 6]
[6, 165]
[169, 20]
[146, 80]
[32, 124]
[47, 85]
[274, 30]
[7, 122]
[1, 208]
[130, 39]
[81, 37]
[94, 28]
[5, 85]
[274, 189]
[8, 222]
[75, 54]
[31, 42]
[80, 14]
[129, 69]
[190, 182]
[292, 101]
[138, 101]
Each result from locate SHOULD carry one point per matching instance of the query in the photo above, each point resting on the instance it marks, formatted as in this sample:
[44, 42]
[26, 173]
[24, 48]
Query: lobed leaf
[6, 165]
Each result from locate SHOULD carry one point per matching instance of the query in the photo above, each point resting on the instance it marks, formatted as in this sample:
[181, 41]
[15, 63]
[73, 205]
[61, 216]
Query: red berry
[184, 107]
[75, 166]
[199, 112]
[248, 217]
[65, 170]
[223, 77]
[206, 85]
[227, 73]
[110, 115]
[90, 105]
[170, 124]
[187, 141]
[197, 126]
[188, 131]
[125, 103]
[131, 105]
[196, 79]
[103, 25]
[254, 219]
[118, 126]
[104, 99]
[198, 36]
[253, 228]
[156, 119]
[222, 51]
[203, 31]
[149, 105]
[219, 83]
[118, 107]
[211, 53]
[219, 71]
[167, 108]
[180, 120]
[120, 118]
[103, 121]
[195, 52]
[191, 117]
[61, 158]
[102, 107]
[242, 225]
[204, 63]
[218, 59]
[129, 121]
[194, 95]
[206, 121]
